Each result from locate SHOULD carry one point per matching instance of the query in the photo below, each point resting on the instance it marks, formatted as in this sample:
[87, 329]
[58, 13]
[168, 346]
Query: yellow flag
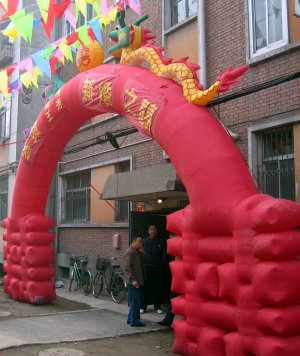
[26, 79]
[4, 82]
[113, 14]
[66, 50]
[35, 74]
[81, 5]
[12, 33]
[5, 4]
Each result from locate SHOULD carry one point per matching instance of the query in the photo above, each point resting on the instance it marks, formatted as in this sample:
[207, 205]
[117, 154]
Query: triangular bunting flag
[71, 18]
[66, 50]
[4, 4]
[80, 6]
[135, 6]
[44, 8]
[24, 25]
[97, 28]
[26, 79]
[48, 51]
[12, 33]
[60, 8]
[42, 63]
[83, 35]
[104, 8]
[4, 82]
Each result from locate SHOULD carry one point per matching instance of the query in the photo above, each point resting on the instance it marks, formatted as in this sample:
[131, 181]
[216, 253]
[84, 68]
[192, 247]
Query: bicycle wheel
[73, 286]
[98, 284]
[86, 282]
[118, 288]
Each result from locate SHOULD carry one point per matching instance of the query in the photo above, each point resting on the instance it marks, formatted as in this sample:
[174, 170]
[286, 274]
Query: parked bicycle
[81, 276]
[116, 285]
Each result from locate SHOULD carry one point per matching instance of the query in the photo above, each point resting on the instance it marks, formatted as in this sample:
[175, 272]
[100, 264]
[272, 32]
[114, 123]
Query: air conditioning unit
[297, 8]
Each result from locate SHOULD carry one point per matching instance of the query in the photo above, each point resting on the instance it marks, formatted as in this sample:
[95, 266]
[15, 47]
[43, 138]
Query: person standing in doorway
[134, 269]
[155, 250]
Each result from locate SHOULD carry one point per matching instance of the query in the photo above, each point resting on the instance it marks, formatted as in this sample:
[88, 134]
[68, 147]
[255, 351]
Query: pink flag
[135, 6]
[71, 18]
[103, 8]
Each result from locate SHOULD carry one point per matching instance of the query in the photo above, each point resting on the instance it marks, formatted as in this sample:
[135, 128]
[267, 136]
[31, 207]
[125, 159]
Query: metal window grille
[76, 201]
[276, 173]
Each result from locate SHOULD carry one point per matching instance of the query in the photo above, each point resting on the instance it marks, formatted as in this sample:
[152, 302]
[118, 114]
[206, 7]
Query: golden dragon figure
[135, 46]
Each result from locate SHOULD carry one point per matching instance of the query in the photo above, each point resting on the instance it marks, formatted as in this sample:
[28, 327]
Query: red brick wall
[92, 241]
[226, 45]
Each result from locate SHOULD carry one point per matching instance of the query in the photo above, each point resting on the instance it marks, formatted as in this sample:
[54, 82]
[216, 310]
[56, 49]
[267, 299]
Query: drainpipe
[202, 43]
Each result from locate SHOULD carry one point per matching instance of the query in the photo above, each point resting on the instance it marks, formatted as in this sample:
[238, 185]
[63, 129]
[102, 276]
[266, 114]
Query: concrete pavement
[106, 319]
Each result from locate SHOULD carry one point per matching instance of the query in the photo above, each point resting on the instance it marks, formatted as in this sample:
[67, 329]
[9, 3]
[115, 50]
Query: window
[122, 206]
[268, 25]
[3, 197]
[81, 20]
[276, 162]
[76, 201]
[5, 122]
[182, 9]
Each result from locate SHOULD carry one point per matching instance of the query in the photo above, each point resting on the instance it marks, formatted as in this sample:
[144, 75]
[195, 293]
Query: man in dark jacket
[155, 250]
[135, 278]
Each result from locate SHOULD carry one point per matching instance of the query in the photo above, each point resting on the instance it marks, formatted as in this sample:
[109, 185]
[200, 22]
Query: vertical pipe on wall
[202, 43]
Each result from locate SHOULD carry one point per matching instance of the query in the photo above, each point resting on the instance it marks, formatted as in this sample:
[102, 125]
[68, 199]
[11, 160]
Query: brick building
[262, 112]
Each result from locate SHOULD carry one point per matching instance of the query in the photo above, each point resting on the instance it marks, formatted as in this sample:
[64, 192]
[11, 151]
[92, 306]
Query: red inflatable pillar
[30, 275]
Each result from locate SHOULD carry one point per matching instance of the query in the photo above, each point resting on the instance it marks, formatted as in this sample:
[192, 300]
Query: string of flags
[44, 62]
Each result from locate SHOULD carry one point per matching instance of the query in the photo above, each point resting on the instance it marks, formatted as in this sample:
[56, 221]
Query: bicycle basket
[82, 261]
[101, 264]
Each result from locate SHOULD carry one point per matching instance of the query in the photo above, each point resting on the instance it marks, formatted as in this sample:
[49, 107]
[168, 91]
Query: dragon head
[132, 36]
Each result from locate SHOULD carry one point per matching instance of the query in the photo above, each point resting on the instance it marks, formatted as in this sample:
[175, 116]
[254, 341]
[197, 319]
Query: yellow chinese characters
[105, 93]
[27, 152]
[58, 104]
[147, 110]
[133, 98]
[144, 112]
[35, 133]
[49, 116]
[87, 90]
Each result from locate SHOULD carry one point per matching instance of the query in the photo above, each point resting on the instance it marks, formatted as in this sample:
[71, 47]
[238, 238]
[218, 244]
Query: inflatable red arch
[236, 266]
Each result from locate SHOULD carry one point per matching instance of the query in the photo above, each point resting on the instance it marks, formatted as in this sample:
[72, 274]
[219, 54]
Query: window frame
[256, 157]
[3, 202]
[5, 121]
[85, 189]
[270, 47]
[168, 15]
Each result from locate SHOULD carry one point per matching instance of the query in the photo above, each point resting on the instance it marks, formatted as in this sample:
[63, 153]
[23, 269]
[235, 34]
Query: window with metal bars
[3, 197]
[276, 173]
[76, 201]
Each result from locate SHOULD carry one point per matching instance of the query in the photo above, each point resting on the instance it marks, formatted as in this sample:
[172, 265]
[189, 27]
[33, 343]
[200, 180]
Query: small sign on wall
[117, 241]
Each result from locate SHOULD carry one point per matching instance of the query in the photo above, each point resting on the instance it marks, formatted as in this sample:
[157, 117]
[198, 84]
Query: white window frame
[275, 45]
[5, 118]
